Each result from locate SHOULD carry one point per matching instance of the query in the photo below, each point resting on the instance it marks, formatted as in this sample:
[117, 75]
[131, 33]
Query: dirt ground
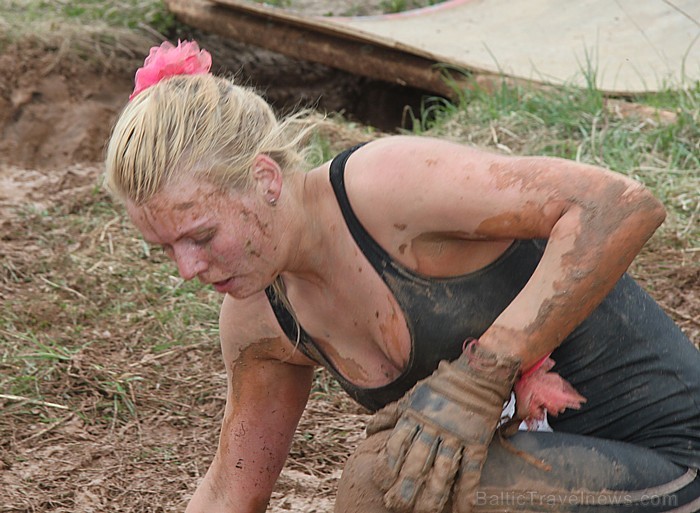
[55, 116]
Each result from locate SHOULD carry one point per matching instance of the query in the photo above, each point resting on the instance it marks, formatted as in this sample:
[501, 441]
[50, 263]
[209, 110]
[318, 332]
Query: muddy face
[219, 237]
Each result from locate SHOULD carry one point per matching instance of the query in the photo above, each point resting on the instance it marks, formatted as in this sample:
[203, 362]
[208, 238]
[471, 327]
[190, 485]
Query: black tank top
[628, 358]
[440, 312]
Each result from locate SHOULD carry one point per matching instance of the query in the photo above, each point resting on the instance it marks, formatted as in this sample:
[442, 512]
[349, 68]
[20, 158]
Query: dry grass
[110, 36]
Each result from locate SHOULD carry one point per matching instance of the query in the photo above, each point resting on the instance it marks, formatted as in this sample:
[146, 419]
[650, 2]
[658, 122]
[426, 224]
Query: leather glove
[443, 425]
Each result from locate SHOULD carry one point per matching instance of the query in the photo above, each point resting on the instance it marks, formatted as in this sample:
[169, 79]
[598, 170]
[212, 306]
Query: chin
[243, 292]
[237, 295]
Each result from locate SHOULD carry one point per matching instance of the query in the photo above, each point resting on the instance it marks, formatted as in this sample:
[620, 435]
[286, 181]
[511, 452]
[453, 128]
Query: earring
[272, 200]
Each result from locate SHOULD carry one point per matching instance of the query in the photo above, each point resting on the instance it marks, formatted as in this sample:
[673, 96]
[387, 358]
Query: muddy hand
[386, 418]
[443, 426]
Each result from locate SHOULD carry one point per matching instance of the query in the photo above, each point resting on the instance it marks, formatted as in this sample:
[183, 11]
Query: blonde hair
[204, 126]
[199, 125]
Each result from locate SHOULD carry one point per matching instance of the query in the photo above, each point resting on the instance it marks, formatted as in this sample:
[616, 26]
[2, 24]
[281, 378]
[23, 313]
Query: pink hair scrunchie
[168, 60]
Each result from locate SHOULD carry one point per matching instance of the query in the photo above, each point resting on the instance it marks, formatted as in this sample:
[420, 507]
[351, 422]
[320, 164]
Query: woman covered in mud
[432, 280]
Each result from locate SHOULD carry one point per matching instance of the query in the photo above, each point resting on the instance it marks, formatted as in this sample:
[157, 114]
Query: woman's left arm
[595, 220]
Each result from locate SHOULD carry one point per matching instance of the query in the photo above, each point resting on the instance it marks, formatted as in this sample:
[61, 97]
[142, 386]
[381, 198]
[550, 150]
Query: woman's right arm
[268, 386]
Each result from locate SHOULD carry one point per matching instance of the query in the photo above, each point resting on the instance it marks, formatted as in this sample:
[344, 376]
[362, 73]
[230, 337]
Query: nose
[190, 261]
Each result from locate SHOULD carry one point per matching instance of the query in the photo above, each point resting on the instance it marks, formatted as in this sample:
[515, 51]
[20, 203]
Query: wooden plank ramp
[622, 46]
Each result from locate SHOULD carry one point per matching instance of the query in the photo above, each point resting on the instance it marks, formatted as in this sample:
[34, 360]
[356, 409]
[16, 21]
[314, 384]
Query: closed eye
[201, 239]
[202, 242]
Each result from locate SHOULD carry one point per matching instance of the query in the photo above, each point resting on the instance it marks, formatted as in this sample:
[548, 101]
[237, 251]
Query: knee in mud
[357, 490]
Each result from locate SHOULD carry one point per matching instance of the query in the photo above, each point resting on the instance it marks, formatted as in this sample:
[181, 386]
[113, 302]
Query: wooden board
[623, 46]
[630, 45]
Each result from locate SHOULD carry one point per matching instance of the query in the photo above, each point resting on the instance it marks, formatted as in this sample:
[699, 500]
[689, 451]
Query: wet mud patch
[55, 114]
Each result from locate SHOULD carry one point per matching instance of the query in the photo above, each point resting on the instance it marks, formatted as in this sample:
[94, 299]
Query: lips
[221, 286]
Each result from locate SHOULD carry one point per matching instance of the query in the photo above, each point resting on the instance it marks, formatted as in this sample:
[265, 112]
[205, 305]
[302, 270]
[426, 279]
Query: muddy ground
[55, 115]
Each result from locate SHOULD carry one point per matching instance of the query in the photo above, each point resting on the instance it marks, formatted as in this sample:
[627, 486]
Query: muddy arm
[268, 386]
[595, 220]
[267, 399]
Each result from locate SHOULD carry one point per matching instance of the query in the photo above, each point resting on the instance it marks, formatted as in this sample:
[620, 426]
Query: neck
[308, 242]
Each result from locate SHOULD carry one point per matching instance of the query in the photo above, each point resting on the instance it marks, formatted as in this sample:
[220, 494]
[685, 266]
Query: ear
[267, 176]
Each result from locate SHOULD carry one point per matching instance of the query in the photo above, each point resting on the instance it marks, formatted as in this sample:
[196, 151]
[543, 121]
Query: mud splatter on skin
[237, 219]
[522, 223]
[392, 330]
[349, 368]
[184, 206]
[363, 353]
[605, 233]
[260, 506]
[274, 349]
[260, 445]
[454, 235]
[448, 254]
[250, 250]
[248, 214]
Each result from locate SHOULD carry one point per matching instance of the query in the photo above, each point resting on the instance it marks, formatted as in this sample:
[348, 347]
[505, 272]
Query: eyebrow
[200, 228]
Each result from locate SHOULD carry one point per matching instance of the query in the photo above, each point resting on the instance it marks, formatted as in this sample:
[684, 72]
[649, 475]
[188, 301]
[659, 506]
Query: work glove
[443, 425]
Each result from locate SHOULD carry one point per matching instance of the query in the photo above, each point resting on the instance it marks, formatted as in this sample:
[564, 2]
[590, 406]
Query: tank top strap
[375, 254]
[295, 333]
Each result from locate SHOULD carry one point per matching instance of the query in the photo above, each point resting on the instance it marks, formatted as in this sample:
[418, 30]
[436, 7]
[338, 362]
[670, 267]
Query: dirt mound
[54, 120]
[57, 112]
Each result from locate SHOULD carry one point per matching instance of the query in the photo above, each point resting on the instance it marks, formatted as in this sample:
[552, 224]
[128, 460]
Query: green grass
[90, 29]
[394, 6]
[661, 149]
[121, 13]
[276, 3]
[110, 313]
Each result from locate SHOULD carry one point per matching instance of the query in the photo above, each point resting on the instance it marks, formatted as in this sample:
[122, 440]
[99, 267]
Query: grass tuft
[90, 30]
[653, 138]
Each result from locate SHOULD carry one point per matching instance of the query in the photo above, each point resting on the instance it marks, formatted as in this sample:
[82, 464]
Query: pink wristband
[526, 373]
[536, 366]
[466, 342]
